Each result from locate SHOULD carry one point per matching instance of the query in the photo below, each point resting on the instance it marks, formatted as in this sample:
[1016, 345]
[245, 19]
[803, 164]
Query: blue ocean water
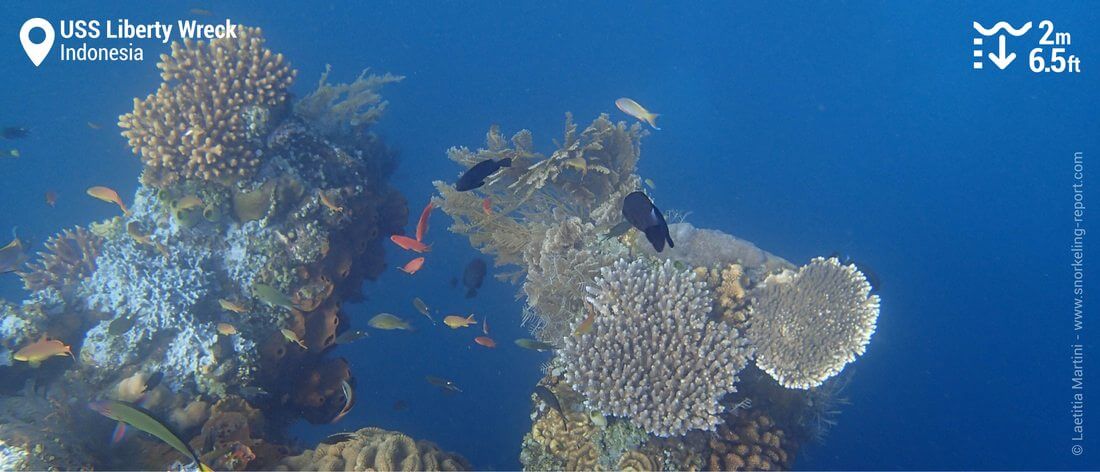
[851, 127]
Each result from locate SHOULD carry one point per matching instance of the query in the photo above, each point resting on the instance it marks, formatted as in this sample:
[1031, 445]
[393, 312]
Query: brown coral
[634, 461]
[318, 388]
[69, 257]
[728, 284]
[231, 439]
[750, 441]
[202, 121]
[376, 449]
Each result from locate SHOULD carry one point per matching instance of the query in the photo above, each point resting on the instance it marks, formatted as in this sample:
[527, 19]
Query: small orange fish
[586, 325]
[233, 306]
[414, 265]
[51, 198]
[422, 225]
[108, 195]
[135, 231]
[188, 202]
[485, 341]
[38, 351]
[455, 321]
[410, 244]
[226, 329]
[487, 206]
[328, 203]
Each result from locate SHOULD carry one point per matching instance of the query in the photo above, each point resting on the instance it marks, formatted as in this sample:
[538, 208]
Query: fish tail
[471, 319]
[652, 120]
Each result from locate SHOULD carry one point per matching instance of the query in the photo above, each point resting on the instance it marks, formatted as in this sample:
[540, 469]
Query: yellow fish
[38, 351]
[12, 256]
[632, 108]
[108, 195]
[455, 321]
[135, 231]
[293, 337]
[226, 329]
[388, 321]
[586, 325]
[232, 306]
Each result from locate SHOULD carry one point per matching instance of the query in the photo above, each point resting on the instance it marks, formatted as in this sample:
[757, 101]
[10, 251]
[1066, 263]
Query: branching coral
[807, 325]
[344, 109]
[69, 257]
[651, 354]
[212, 105]
[728, 284]
[376, 449]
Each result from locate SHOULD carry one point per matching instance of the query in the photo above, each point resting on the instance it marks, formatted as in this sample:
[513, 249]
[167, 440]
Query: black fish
[640, 212]
[14, 132]
[475, 177]
[548, 396]
[153, 381]
[473, 276]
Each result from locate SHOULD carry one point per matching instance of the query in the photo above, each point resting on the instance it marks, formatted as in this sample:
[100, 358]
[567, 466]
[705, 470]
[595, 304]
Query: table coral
[807, 325]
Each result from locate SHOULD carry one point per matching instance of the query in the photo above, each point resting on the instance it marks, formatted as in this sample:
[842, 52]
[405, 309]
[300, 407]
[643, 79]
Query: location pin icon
[36, 51]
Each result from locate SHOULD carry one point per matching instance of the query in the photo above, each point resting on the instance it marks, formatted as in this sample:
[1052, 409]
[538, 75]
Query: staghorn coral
[807, 325]
[376, 449]
[345, 109]
[203, 120]
[750, 442]
[69, 258]
[651, 355]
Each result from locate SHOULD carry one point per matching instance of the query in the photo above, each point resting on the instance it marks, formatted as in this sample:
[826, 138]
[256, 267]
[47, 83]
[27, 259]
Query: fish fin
[204, 467]
[656, 237]
[471, 319]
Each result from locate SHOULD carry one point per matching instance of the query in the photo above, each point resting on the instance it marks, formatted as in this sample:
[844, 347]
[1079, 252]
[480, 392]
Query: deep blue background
[857, 127]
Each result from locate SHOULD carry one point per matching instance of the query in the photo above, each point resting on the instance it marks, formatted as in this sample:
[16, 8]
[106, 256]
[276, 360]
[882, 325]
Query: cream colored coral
[191, 415]
[375, 449]
[130, 388]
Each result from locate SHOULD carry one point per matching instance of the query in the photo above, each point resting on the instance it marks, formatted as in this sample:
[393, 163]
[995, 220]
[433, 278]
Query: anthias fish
[473, 276]
[476, 175]
[632, 108]
[487, 206]
[38, 351]
[422, 223]
[455, 321]
[485, 341]
[226, 329]
[413, 266]
[422, 308]
[410, 244]
[144, 421]
[108, 195]
[387, 321]
[644, 215]
[231, 305]
[293, 337]
[328, 202]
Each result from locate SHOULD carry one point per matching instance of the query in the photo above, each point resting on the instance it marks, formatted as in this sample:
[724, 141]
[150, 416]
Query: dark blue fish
[642, 214]
[14, 132]
[475, 177]
[473, 276]
[153, 381]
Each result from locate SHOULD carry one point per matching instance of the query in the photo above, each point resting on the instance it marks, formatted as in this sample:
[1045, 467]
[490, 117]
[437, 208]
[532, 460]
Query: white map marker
[36, 51]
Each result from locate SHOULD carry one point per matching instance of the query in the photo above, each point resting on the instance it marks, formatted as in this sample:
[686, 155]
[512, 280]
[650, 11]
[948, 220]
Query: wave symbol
[1003, 25]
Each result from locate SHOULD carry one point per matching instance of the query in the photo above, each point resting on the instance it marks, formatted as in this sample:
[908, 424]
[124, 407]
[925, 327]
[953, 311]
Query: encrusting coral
[376, 449]
[807, 325]
[651, 354]
[69, 257]
[203, 121]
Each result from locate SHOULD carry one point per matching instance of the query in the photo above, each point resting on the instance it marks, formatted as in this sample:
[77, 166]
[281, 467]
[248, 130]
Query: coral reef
[807, 325]
[651, 354]
[707, 247]
[375, 449]
[203, 121]
[69, 257]
[41, 433]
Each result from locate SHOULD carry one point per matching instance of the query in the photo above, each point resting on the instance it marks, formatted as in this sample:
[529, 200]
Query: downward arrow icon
[1000, 59]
